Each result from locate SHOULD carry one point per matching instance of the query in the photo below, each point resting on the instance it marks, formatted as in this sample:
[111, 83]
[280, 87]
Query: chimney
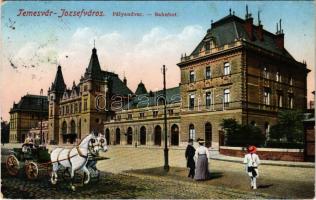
[279, 37]
[259, 28]
[249, 24]
[125, 81]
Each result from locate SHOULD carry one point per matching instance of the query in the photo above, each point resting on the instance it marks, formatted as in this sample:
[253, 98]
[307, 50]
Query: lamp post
[166, 166]
[41, 132]
[136, 137]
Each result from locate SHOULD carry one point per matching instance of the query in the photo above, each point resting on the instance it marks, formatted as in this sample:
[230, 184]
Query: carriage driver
[28, 143]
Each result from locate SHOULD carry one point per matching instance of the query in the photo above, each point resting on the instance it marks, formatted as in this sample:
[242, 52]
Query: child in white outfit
[252, 161]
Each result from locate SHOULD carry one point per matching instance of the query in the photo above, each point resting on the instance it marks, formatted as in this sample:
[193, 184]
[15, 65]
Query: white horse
[92, 162]
[75, 158]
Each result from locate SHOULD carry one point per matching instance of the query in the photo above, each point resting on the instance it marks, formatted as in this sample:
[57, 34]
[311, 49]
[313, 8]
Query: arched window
[157, 135]
[191, 132]
[64, 128]
[143, 135]
[72, 127]
[129, 135]
[107, 136]
[174, 135]
[117, 136]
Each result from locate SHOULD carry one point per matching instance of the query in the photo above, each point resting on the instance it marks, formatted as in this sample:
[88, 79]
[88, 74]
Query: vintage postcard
[157, 99]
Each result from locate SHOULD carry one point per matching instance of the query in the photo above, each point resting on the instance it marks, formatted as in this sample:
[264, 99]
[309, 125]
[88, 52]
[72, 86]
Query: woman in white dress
[252, 161]
[201, 156]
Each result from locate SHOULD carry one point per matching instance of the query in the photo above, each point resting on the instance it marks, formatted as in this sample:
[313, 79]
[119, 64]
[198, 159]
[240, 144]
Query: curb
[308, 165]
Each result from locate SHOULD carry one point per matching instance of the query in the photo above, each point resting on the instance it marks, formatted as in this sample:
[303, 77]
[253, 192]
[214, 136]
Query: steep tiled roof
[231, 27]
[59, 84]
[115, 84]
[141, 89]
[154, 98]
[93, 70]
[31, 103]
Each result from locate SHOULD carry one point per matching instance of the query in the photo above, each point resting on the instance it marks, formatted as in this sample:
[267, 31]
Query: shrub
[242, 135]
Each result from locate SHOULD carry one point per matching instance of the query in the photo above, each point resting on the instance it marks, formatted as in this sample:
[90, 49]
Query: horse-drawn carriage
[38, 160]
[33, 161]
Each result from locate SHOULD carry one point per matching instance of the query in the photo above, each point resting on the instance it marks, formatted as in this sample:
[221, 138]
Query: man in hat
[189, 155]
[252, 161]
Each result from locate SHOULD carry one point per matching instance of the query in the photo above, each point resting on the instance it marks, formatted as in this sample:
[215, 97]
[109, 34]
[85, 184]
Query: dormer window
[207, 46]
[192, 76]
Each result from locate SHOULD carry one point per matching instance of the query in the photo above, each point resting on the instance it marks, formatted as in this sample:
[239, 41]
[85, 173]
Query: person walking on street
[252, 161]
[202, 156]
[189, 155]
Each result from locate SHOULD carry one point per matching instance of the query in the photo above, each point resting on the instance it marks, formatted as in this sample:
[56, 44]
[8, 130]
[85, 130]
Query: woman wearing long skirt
[201, 156]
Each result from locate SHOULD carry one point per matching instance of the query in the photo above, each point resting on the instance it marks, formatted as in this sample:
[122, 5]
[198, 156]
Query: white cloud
[141, 59]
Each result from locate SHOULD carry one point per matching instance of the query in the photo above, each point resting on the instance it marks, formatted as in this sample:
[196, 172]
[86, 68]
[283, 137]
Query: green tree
[289, 126]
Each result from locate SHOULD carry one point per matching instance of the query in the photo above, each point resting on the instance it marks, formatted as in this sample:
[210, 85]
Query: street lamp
[166, 166]
[136, 137]
[41, 132]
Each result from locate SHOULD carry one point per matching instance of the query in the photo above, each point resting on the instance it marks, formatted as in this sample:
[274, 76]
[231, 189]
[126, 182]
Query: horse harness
[79, 151]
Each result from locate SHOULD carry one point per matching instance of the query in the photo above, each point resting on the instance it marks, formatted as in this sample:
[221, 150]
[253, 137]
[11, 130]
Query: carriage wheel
[31, 170]
[13, 165]
[53, 178]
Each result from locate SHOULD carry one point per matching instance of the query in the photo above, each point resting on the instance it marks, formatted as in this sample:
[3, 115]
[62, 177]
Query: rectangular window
[142, 115]
[85, 105]
[266, 96]
[170, 111]
[192, 76]
[208, 99]
[226, 69]
[291, 101]
[291, 80]
[191, 101]
[226, 97]
[129, 116]
[155, 113]
[67, 109]
[265, 73]
[118, 117]
[208, 72]
[76, 107]
[278, 77]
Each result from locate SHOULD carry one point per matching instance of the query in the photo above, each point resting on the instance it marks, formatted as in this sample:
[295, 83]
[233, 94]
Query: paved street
[137, 173]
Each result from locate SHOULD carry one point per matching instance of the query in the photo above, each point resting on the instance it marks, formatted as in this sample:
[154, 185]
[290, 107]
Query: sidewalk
[264, 162]
[214, 155]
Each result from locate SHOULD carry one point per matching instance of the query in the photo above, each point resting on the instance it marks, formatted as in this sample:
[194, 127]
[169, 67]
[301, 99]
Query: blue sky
[129, 44]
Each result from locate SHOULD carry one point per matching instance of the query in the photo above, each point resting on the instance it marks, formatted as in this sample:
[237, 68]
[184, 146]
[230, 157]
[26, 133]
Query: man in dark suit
[189, 155]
